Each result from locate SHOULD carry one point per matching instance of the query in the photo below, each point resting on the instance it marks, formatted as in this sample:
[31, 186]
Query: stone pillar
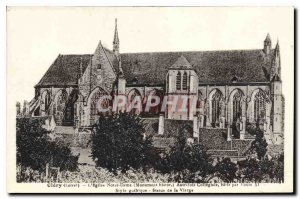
[243, 128]
[195, 127]
[228, 133]
[201, 121]
[161, 124]
[18, 107]
[206, 110]
[26, 109]
[222, 115]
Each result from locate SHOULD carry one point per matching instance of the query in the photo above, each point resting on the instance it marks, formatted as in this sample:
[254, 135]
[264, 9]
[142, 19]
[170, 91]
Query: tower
[182, 90]
[116, 42]
[267, 44]
[277, 98]
[276, 65]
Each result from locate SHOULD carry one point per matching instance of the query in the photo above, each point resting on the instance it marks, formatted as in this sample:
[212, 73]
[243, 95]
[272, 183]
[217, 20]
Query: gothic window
[47, 100]
[61, 100]
[97, 102]
[133, 95]
[178, 81]
[237, 105]
[259, 106]
[216, 98]
[185, 81]
[153, 110]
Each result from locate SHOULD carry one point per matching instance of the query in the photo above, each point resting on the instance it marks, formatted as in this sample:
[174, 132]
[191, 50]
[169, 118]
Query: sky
[37, 35]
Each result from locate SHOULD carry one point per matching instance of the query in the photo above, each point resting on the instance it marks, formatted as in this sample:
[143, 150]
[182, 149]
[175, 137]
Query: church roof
[211, 66]
[65, 70]
[152, 68]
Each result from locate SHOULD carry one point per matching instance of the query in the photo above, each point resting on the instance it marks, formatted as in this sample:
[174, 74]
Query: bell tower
[182, 90]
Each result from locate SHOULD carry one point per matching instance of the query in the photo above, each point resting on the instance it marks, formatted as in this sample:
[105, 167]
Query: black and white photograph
[150, 99]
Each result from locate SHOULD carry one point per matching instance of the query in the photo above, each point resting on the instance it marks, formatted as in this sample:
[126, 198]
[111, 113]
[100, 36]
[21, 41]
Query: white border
[3, 5]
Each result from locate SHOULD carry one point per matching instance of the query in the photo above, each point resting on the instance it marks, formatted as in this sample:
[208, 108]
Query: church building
[233, 89]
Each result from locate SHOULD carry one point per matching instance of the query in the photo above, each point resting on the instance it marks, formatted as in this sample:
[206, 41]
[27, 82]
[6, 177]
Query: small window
[178, 81]
[184, 81]
[99, 66]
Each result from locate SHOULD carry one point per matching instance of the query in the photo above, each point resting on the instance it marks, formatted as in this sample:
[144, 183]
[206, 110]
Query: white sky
[35, 36]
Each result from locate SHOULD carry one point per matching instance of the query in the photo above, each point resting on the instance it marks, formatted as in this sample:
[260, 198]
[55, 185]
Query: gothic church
[233, 88]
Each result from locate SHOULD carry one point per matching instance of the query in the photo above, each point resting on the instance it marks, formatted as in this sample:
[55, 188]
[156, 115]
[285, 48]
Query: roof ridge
[76, 54]
[194, 51]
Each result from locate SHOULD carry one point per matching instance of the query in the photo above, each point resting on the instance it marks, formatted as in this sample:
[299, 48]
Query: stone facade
[233, 89]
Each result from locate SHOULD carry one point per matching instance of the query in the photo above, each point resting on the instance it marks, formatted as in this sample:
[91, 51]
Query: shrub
[35, 149]
[118, 143]
[226, 170]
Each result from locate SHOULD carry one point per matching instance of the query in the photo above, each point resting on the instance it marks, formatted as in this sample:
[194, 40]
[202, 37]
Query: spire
[277, 48]
[116, 42]
[268, 39]
[267, 44]
[276, 65]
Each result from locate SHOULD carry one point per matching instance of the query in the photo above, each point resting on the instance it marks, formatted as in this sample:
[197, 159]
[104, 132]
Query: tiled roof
[65, 70]
[152, 68]
[211, 66]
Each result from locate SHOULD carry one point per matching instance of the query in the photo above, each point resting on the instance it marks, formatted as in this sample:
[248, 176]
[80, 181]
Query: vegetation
[118, 143]
[35, 149]
[259, 145]
[123, 154]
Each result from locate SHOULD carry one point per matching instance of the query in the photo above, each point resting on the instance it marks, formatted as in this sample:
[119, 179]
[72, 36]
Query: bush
[35, 149]
[187, 162]
[226, 170]
[259, 145]
[118, 143]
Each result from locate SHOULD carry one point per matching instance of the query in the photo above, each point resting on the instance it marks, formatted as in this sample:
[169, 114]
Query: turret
[276, 65]
[276, 92]
[267, 45]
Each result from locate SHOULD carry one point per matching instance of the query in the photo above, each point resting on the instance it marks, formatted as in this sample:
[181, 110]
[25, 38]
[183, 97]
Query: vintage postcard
[150, 99]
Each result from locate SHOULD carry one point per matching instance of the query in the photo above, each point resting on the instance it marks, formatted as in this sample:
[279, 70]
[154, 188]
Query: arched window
[61, 100]
[97, 102]
[152, 97]
[135, 108]
[237, 105]
[47, 100]
[216, 98]
[185, 81]
[178, 81]
[259, 106]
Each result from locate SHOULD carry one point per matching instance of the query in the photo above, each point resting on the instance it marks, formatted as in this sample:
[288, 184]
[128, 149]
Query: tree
[250, 170]
[118, 143]
[189, 162]
[35, 149]
[226, 170]
[259, 145]
[279, 168]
